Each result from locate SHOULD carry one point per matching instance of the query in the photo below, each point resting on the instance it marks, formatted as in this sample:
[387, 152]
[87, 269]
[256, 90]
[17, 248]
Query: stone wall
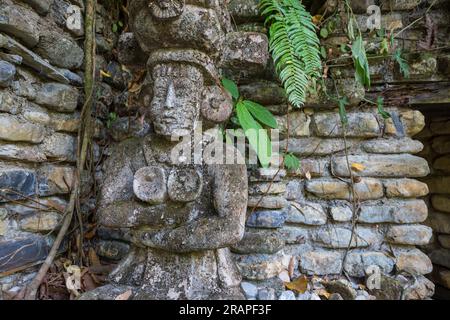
[437, 152]
[41, 72]
[304, 224]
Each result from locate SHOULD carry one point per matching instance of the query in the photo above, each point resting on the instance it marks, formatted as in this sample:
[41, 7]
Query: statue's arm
[217, 231]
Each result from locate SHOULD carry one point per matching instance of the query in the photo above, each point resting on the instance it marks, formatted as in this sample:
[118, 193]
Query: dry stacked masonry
[303, 224]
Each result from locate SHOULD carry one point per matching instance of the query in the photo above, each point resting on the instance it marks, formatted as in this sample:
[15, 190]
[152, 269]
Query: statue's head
[166, 9]
[185, 90]
[177, 90]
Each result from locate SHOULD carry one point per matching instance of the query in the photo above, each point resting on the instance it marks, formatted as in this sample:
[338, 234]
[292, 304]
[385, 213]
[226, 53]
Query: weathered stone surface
[267, 174]
[444, 240]
[441, 144]
[405, 211]
[321, 262]
[149, 185]
[309, 213]
[298, 124]
[55, 180]
[40, 222]
[250, 290]
[441, 203]
[413, 121]
[440, 222]
[403, 145]
[40, 6]
[259, 241]
[259, 266]
[266, 188]
[268, 202]
[287, 295]
[124, 128]
[342, 287]
[60, 50]
[315, 146]
[438, 184]
[247, 51]
[14, 129]
[412, 261]
[21, 152]
[357, 263]
[409, 234]
[405, 188]
[390, 288]
[10, 103]
[266, 294]
[366, 189]
[264, 92]
[339, 237]
[7, 72]
[295, 234]
[341, 213]
[309, 166]
[19, 22]
[113, 250]
[58, 97]
[421, 289]
[441, 257]
[359, 125]
[60, 146]
[33, 60]
[442, 163]
[404, 165]
[267, 219]
[28, 250]
[244, 10]
[22, 181]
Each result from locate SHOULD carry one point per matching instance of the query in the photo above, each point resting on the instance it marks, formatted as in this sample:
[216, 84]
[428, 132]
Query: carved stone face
[176, 95]
[166, 9]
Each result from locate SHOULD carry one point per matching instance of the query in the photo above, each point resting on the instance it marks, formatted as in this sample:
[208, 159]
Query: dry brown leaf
[358, 167]
[299, 285]
[105, 74]
[291, 267]
[317, 19]
[323, 293]
[93, 258]
[124, 296]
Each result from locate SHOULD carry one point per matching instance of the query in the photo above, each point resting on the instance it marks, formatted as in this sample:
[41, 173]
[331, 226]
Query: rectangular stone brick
[332, 236]
[412, 260]
[360, 124]
[366, 189]
[314, 146]
[14, 129]
[403, 165]
[409, 234]
[321, 262]
[405, 188]
[398, 211]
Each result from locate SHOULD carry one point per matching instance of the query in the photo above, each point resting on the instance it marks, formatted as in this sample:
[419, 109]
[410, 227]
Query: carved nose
[170, 98]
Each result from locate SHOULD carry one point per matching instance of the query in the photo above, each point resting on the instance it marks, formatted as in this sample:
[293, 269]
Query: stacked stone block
[390, 200]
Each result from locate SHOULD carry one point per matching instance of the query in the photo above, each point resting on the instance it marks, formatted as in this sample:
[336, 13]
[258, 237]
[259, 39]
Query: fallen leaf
[317, 19]
[299, 285]
[323, 293]
[105, 74]
[308, 175]
[93, 258]
[124, 296]
[291, 267]
[358, 167]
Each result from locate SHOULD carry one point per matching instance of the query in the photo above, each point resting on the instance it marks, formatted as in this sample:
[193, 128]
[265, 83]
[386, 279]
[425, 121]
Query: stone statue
[182, 215]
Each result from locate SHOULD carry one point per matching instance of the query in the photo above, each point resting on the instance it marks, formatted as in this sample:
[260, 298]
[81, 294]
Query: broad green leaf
[291, 162]
[324, 32]
[380, 106]
[231, 87]
[256, 135]
[261, 114]
[342, 112]
[362, 72]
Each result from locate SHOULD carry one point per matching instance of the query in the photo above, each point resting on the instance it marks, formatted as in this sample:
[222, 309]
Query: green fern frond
[294, 46]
